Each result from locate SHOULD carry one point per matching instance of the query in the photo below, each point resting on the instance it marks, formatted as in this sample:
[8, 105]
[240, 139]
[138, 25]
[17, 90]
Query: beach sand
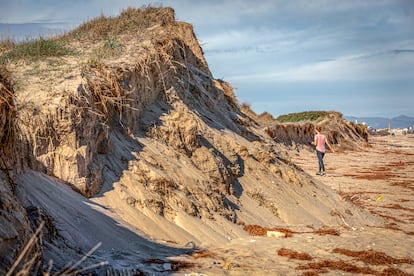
[378, 178]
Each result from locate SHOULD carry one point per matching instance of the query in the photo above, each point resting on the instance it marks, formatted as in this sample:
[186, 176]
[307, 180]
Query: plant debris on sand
[256, 230]
[294, 254]
[372, 257]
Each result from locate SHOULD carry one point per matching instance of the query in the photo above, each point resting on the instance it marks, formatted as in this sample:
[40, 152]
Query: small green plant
[112, 42]
[35, 49]
[110, 49]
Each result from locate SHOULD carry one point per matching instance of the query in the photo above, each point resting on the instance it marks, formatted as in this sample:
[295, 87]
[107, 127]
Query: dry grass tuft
[110, 87]
[130, 20]
[7, 113]
[103, 83]
[6, 45]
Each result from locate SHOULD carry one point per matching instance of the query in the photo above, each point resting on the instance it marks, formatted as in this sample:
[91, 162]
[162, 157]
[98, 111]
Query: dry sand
[379, 178]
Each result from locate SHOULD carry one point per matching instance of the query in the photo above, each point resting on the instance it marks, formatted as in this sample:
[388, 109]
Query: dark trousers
[320, 160]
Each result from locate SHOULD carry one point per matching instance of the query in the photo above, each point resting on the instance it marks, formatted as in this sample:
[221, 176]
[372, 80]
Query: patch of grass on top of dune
[303, 116]
[131, 20]
[34, 50]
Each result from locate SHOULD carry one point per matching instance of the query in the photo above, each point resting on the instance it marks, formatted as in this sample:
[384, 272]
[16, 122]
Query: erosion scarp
[298, 129]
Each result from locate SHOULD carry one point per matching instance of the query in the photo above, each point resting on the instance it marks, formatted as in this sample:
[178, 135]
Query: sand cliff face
[148, 133]
[15, 229]
[343, 134]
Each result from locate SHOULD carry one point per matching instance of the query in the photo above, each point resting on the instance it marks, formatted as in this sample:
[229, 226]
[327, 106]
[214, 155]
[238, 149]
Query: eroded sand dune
[139, 149]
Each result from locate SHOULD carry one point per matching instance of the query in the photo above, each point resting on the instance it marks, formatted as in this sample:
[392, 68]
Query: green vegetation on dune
[304, 116]
[103, 28]
[35, 49]
[130, 20]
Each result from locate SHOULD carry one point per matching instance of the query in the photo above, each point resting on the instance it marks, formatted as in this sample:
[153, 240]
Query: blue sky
[353, 56]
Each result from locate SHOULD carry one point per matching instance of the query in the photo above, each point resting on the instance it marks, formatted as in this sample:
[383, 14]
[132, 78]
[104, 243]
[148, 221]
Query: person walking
[320, 142]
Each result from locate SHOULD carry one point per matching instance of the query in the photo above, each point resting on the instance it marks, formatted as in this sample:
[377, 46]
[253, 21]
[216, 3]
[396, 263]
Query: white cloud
[382, 66]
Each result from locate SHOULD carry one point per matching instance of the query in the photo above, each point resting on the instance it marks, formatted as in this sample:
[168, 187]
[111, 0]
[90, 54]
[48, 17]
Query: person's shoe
[323, 174]
[318, 173]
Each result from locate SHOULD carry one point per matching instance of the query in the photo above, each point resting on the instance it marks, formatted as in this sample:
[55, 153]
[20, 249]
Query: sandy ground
[379, 178]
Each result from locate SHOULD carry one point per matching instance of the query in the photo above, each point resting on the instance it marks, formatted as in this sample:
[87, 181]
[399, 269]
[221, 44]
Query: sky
[353, 56]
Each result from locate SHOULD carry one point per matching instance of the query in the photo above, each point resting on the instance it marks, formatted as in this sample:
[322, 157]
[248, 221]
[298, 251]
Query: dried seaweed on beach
[292, 254]
[372, 257]
[336, 265]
